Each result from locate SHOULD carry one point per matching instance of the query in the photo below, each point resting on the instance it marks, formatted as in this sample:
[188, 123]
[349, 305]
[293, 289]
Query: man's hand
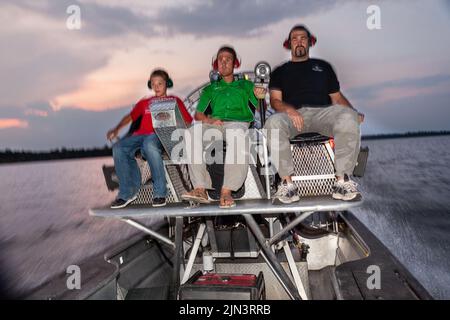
[200, 116]
[260, 92]
[112, 134]
[213, 121]
[296, 118]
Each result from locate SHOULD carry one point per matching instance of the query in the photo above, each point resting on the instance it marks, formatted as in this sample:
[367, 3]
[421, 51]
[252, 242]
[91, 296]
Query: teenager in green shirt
[225, 106]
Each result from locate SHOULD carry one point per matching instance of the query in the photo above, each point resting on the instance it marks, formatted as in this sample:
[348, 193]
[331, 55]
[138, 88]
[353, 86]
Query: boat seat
[309, 137]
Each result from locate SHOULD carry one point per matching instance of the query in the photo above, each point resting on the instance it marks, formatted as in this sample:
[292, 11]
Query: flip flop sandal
[195, 196]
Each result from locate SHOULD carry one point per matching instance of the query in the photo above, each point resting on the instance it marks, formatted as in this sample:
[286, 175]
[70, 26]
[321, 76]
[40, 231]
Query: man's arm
[339, 98]
[276, 101]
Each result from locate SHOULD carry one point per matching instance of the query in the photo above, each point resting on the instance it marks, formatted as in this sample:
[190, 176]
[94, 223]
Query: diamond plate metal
[145, 194]
[315, 187]
[166, 118]
[311, 159]
[179, 176]
[313, 169]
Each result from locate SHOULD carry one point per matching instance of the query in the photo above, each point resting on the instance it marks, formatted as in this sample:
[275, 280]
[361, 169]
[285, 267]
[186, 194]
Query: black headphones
[160, 73]
[311, 38]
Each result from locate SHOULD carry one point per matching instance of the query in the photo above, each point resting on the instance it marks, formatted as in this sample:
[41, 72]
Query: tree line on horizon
[10, 156]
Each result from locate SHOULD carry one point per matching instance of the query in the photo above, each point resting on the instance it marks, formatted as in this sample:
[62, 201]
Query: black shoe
[120, 203]
[159, 202]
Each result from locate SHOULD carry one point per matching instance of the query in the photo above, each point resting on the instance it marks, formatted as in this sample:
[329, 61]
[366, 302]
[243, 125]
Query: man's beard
[300, 51]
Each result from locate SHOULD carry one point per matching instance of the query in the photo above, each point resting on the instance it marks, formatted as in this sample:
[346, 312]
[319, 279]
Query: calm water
[44, 221]
[45, 226]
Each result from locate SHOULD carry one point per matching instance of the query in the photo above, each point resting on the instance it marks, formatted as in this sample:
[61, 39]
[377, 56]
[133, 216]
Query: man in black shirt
[306, 94]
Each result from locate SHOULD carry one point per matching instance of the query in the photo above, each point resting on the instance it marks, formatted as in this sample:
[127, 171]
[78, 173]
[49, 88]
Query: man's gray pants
[336, 121]
[235, 134]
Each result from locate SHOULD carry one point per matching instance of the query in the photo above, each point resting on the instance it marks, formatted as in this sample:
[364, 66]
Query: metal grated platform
[314, 169]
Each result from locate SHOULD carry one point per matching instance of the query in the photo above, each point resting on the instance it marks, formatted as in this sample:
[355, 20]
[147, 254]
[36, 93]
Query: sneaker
[159, 202]
[287, 193]
[346, 190]
[120, 203]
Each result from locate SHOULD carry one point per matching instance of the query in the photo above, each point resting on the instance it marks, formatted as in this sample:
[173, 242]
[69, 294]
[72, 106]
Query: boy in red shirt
[145, 139]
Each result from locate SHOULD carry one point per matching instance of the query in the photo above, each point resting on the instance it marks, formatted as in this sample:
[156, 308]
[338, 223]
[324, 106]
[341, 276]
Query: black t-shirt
[305, 83]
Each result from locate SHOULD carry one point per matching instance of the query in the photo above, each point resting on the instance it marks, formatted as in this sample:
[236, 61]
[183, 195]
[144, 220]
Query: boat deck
[246, 208]
[261, 207]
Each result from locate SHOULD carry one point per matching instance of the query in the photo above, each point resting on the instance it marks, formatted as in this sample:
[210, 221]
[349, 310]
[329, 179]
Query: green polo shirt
[229, 101]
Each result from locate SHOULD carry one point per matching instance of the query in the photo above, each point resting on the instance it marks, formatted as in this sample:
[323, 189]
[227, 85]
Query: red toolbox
[222, 286]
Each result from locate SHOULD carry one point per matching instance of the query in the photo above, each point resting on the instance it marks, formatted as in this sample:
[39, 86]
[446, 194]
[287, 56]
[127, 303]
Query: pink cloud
[13, 123]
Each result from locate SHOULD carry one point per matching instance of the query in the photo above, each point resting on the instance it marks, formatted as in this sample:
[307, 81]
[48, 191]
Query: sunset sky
[67, 87]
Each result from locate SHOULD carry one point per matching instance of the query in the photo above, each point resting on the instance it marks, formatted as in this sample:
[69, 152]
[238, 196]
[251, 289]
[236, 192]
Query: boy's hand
[112, 134]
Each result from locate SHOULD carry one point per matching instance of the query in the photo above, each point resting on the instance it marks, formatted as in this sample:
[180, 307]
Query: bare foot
[197, 195]
[226, 200]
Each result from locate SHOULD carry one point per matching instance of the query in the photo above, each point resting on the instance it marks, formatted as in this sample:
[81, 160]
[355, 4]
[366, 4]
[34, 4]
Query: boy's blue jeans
[128, 171]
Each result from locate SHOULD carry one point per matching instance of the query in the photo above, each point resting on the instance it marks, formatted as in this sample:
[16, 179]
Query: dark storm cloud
[235, 18]
[204, 18]
[97, 20]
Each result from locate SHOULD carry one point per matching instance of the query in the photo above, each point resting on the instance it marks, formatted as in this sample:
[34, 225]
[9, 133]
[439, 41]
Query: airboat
[312, 249]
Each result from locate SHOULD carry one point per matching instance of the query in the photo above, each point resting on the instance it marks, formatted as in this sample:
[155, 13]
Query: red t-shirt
[142, 108]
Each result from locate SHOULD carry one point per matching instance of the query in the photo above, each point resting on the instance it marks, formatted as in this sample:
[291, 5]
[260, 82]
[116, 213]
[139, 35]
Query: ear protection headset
[215, 63]
[311, 38]
[160, 73]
